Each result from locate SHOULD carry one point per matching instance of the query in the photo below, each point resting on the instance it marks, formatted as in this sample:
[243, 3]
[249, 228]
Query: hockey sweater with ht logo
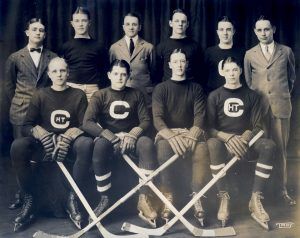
[233, 110]
[117, 111]
[56, 111]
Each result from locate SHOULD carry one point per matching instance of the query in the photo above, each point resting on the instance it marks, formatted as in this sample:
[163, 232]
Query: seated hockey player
[117, 117]
[178, 115]
[52, 132]
[234, 117]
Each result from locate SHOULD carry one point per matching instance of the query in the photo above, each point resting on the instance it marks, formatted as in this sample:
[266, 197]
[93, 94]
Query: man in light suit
[26, 70]
[270, 70]
[137, 52]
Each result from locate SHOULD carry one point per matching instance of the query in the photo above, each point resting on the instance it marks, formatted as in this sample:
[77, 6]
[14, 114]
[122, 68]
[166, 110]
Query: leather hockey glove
[111, 137]
[237, 145]
[193, 137]
[129, 140]
[176, 141]
[45, 138]
[62, 147]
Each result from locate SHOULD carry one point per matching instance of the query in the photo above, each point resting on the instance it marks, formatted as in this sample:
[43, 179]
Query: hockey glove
[237, 145]
[193, 137]
[111, 137]
[176, 141]
[45, 138]
[129, 140]
[63, 145]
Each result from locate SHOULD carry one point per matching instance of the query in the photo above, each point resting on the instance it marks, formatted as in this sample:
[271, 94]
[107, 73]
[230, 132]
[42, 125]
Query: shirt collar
[127, 39]
[270, 47]
[41, 47]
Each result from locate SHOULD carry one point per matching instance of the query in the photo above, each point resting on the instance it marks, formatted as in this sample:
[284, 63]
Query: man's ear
[169, 65]
[274, 29]
[187, 24]
[108, 75]
[26, 32]
[170, 23]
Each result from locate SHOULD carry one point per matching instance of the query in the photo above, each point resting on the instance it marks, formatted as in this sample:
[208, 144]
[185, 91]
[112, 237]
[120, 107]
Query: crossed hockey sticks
[105, 233]
[226, 231]
[179, 215]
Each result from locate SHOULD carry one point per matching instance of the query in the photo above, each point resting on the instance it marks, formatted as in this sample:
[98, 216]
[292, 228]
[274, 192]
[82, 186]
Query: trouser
[104, 153]
[88, 89]
[28, 152]
[279, 132]
[17, 131]
[199, 165]
[219, 156]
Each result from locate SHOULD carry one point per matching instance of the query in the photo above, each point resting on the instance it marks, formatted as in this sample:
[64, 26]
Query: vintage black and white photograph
[149, 118]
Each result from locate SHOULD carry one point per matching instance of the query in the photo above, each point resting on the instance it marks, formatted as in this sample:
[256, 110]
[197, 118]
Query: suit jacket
[274, 79]
[22, 79]
[141, 61]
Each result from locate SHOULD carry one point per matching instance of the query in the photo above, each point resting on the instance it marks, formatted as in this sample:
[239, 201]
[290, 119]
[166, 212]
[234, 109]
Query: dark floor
[244, 226]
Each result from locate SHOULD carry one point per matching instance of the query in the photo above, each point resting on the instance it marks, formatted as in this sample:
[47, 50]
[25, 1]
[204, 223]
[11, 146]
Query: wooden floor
[244, 226]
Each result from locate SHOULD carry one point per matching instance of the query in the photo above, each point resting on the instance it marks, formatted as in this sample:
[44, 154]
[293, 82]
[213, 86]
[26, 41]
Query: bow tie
[39, 50]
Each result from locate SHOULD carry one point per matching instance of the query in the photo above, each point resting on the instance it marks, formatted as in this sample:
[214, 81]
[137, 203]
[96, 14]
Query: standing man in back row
[178, 40]
[214, 55]
[270, 70]
[137, 52]
[85, 57]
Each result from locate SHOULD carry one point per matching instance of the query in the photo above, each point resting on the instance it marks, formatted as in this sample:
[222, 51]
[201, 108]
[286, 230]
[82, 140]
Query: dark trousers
[199, 165]
[263, 148]
[27, 153]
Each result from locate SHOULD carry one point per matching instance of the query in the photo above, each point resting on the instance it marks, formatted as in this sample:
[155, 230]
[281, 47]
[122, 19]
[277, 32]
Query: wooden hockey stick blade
[41, 234]
[105, 233]
[198, 232]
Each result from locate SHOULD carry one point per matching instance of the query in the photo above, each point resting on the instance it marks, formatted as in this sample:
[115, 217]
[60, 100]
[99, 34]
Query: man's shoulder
[18, 53]
[145, 43]
[117, 43]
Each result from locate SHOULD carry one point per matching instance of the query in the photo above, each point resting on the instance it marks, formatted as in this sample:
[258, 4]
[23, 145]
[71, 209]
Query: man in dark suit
[26, 70]
[270, 70]
[137, 52]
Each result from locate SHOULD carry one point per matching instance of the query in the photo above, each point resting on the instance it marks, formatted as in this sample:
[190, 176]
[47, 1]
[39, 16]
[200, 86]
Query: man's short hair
[133, 14]
[58, 59]
[34, 20]
[230, 59]
[82, 10]
[225, 19]
[263, 18]
[178, 10]
[120, 63]
[178, 50]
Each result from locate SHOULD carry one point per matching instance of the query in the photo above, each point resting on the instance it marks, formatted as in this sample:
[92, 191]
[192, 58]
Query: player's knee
[214, 144]
[145, 144]
[84, 143]
[19, 148]
[267, 145]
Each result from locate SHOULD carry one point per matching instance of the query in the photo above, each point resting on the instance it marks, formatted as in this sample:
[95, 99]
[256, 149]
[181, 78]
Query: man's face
[232, 72]
[36, 33]
[81, 24]
[264, 31]
[179, 23]
[178, 64]
[58, 72]
[131, 26]
[118, 77]
[225, 32]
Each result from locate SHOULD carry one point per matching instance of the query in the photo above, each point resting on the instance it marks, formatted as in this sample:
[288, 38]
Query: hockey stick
[225, 231]
[105, 233]
[198, 232]
[41, 234]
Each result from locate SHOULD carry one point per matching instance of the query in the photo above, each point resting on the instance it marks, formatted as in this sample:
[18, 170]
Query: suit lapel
[276, 54]
[259, 55]
[28, 62]
[124, 50]
[43, 64]
[137, 48]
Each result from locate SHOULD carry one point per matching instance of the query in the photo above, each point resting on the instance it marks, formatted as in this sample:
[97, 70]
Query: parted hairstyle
[82, 10]
[120, 63]
[231, 59]
[34, 20]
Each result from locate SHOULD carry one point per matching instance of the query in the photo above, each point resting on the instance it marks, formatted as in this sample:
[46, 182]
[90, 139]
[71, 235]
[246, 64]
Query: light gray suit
[22, 78]
[141, 62]
[274, 80]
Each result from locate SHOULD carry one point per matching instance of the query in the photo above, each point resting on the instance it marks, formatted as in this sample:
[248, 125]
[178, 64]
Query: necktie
[39, 50]
[131, 46]
[267, 53]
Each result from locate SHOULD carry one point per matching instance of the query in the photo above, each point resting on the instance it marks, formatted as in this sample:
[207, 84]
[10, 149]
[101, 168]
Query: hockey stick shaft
[184, 221]
[198, 232]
